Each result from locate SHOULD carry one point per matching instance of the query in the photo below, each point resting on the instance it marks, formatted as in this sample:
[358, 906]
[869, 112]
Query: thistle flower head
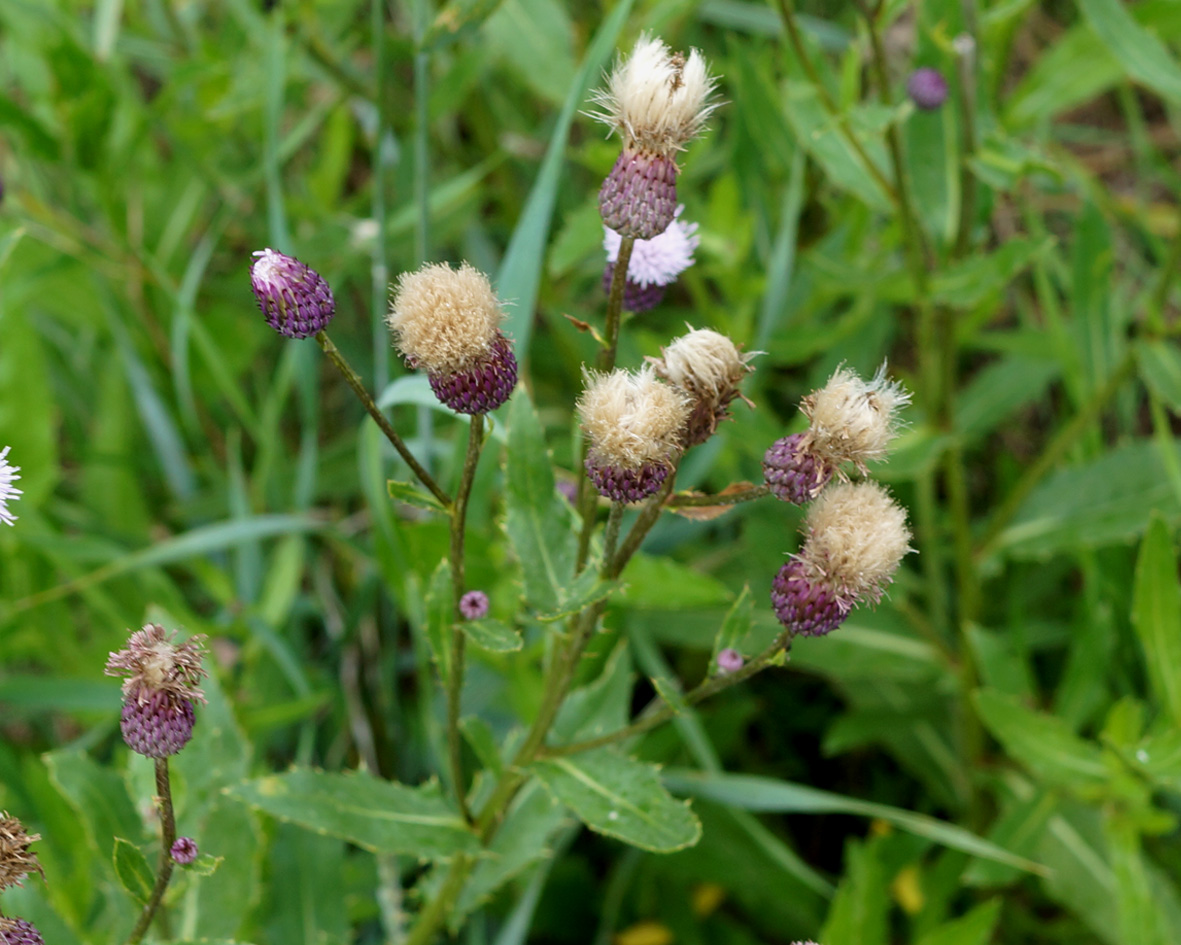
[19, 932]
[708, 367]
[658, 261]
[8, 492]
[295, 299]
[447, 322]
[162, 682]
[16, 859]
[655, 99]
[852, 420]
[184, 850]
[633, 423]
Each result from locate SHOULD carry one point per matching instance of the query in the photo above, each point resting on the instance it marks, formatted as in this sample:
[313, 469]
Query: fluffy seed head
[856, 536]
[852, 420]
[474, 605]
[658, 261]
[8, 492]
[708, 367]
[19, 932]
[445, 320]
[184, 850]
[295, 299]
[657, 100]
[632, 419]
[16, 860]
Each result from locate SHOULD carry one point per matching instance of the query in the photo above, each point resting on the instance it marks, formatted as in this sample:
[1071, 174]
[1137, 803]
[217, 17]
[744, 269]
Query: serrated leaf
[132, 869]
[380, 816]
[496, 636]
[1042, 743]
[622, 798]
[536, 518]
[1156, 615]
[412, 495]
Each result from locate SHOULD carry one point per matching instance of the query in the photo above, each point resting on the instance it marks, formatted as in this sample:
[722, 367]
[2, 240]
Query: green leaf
[440, 613]
[537, 519]
[1042, 743]
[478, 735]
[1141, 918]
[1156, 615]
[735, 626]
[1141, 53]
[412, 495]
[99, 798]
[663, 584]
[1077, 67]
[969, 283]
[1160, 367]
[131, 866]
[600, 707]
[496, 636]
[999, 390]
[1105, 501]
[620, 797]
[586, 589]
[379, 816]
[306, 906]
[220, 905]
[751, 792]
[859, 909]
[975, 928]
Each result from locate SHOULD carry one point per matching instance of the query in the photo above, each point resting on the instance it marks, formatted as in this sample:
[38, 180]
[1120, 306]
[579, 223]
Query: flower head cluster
[8, 492]
[850, 421]
[447, 322]
[16, 862]
[708, 367]
[657, 101]
[654, 264]
[295, 299]
[633, 424]
[163, 681]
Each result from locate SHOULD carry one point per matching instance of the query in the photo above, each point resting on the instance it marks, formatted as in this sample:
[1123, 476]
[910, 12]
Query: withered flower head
[16, 859]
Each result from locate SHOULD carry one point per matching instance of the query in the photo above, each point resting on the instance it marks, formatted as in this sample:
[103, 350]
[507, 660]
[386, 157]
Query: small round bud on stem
[158, 695]
[654, 264]
[184, 850]
[708, 367]
[447, 322]
[730, 660]
[633, 423]
[295, 299]
[474, 605]
[8, 492]
[856, 535]
[16, 859]
[927, 88]
[658, 101]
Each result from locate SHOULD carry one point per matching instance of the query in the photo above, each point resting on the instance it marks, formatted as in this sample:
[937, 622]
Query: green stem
[659, 712]
[434, 914]
[354, 381]
[458, 638]
[611, 534]
[167, 839]
[966, 62]
[1054, 451]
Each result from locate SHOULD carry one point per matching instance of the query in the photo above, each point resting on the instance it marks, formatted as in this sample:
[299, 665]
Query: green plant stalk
[659, 712]
[587, 497]
[796, 38]
[355, 382]
[455, 677]
[167, 839]
[966, 95]
[1054, 451]
[378, 268]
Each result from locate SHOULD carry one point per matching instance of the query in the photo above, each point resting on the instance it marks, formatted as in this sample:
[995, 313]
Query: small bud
[19, 932]
[658, 101]
[447, 322]
[856, 535]
[474, 605]
[8, 492]
[729, 660]
[927, 88]
[184, 850]
[708, 367]
[16, 859]
[163, 681]
[294, 298]
[655, 263]
[633, 423]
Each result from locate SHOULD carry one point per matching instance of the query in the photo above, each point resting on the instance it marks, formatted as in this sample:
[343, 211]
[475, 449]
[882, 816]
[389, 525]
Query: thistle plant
[8, 492]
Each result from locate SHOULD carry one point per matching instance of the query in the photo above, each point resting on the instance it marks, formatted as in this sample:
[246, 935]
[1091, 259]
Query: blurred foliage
[993, 754]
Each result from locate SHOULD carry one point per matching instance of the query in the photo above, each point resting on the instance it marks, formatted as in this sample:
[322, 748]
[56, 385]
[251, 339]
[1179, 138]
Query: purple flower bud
[294, 298]
[793, 472]
[481, 387]
[623, 484]
[927, 88]
[474, 605]
[184, 850]
[569, 491]
[19, 932]
[806, 606]
[730, 661]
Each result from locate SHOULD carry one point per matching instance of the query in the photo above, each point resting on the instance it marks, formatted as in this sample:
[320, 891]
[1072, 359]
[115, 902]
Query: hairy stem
[455, 677]
[355, 382]
[167, 839]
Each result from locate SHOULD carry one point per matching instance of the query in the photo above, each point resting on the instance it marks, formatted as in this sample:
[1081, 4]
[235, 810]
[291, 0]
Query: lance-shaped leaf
[380, 816]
